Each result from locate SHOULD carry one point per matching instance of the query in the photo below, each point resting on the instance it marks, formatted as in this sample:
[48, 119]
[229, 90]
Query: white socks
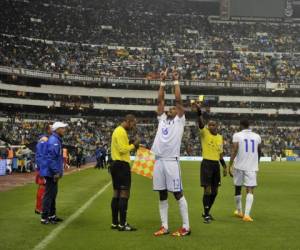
[249, 201]
[183, 206]
[238, 202]
[163, 211]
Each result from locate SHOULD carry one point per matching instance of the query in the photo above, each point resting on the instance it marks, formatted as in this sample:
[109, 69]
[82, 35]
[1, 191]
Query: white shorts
[167, 176]
[244, 178]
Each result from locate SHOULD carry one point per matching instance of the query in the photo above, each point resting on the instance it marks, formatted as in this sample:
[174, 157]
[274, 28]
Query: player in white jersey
[166, 147]
[246, 151]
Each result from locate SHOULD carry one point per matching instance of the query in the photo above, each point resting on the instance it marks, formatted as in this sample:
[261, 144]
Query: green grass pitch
[275, 211]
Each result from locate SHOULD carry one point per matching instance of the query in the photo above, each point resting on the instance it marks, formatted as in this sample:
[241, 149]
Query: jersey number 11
[252, 144]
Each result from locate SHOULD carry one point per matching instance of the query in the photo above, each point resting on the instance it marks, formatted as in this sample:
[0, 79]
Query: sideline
[69, 220]
[9, 182]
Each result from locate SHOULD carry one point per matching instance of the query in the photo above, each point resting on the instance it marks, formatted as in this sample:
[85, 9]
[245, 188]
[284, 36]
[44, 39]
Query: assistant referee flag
[144, 163]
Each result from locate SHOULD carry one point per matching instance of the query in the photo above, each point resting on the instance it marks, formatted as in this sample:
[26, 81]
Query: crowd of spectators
[146, 63]
[144, 23]
[167, 33]
[259, 105]
[87, 134]
[138, 38]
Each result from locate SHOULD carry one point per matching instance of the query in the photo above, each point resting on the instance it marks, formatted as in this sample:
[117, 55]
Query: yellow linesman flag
[144, 163]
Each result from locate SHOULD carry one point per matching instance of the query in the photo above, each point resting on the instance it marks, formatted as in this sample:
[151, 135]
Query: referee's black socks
[206, 204]
[123, 205]
[212, 200]
[208, 201]
[115, 210]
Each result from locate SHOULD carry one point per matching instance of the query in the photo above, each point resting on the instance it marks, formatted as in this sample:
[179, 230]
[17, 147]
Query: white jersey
[168, 137]
[247, 156]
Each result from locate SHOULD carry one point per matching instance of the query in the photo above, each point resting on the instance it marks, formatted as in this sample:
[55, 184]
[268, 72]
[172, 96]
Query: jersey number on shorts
[252, 145]
[176, 183]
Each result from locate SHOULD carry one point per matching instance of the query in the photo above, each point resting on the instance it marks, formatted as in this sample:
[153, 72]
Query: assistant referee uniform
[212, 148]
[121, 177]
[120, 154]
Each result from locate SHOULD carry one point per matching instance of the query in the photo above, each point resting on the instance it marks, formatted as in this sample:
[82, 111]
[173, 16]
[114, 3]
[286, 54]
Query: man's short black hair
[129, 117]
[245, 123]
[214, 121]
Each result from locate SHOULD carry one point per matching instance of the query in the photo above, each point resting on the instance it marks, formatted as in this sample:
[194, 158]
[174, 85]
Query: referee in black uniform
[120, 172]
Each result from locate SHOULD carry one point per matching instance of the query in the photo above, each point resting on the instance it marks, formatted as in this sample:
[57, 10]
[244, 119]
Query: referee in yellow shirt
[212, 153]
[120, 172]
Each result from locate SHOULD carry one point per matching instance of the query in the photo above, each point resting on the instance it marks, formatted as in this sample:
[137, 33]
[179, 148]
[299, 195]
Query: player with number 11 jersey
[245, 156]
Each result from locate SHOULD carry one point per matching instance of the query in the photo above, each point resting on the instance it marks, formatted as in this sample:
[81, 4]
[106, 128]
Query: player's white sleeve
[180, 119]
[161, 117]
[235, 138]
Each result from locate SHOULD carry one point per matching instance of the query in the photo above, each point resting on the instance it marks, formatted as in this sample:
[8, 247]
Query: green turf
[275, 210]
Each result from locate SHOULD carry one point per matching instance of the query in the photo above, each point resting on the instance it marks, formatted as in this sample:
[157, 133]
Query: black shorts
[210, 173]
[121, 175]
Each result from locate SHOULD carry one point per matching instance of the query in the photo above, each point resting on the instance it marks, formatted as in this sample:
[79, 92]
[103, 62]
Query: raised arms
[178, 101]
[201, 123]
[161, 93]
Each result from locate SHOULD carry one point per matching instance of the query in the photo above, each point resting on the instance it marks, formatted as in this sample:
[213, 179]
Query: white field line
[69, 220]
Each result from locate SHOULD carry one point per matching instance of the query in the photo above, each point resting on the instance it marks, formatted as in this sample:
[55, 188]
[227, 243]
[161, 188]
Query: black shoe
[114, 226]
[207, 219]
[45, 222]
[127, 227]
[37, 212]
[55, 219]
[210, 216]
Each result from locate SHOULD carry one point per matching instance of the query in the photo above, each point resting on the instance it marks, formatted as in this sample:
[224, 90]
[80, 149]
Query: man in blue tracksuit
[40, 154]
[52, 171]
[98, 155]
[103, 156]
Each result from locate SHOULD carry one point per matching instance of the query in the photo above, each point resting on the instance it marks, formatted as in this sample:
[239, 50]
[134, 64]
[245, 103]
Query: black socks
[206, 204]
[115, 210]
[208, 201]
[212, 200]
[123, 204]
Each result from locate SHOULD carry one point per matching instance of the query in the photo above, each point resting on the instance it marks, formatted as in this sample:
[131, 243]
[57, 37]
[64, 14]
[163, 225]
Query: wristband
[223, 163]
[162, 84]
[176, 82]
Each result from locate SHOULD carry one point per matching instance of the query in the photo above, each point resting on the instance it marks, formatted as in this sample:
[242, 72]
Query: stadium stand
[86, 133]
[87, 62]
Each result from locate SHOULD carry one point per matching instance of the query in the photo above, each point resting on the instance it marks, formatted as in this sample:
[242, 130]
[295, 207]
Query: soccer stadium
[103, 102]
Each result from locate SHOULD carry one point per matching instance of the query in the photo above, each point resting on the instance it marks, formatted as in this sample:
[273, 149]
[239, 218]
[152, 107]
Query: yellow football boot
[238, 214]
[247, 218]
